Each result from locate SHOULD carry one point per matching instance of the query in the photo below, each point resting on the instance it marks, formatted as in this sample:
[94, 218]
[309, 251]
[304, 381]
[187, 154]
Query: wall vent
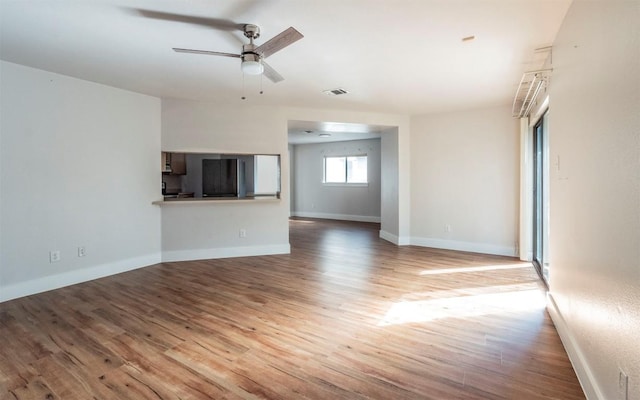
[335, 92]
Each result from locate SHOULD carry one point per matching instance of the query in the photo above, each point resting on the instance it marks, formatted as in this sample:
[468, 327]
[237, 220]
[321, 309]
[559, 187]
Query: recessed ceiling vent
[335, 92]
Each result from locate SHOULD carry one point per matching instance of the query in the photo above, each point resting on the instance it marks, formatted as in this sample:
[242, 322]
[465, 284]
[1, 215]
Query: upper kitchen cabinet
[174, 163]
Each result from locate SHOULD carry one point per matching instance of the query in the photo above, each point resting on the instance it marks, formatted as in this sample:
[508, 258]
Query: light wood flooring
[345, 316]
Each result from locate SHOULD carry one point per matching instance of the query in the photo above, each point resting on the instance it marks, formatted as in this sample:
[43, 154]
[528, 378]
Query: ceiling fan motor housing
[249, 53]
[249, 50]
[252, 31]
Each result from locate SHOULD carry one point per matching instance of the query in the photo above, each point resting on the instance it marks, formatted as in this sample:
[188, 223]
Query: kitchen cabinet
[174, 163]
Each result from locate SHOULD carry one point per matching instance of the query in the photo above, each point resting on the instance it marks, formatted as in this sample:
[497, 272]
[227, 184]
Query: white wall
[211, 229]
[79, 167]
[92, 174]
[465, 175]
[594, 127]
[317, 200]
[391, 209]
[292, 177]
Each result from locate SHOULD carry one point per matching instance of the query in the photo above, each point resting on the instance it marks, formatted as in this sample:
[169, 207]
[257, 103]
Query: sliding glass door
[541, 197]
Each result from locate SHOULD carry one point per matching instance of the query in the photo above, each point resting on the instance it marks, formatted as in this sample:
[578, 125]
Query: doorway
[541, 197]
[311, 143]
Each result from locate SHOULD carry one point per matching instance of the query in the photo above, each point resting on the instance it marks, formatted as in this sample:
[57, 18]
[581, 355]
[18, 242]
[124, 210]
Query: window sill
[345, 184]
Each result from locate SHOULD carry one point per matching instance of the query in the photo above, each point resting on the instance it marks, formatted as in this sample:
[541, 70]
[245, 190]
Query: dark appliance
[223, 178]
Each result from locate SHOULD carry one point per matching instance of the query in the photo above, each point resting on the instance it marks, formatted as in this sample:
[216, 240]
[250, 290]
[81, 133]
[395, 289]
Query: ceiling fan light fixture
[251, 64]
[252, 67]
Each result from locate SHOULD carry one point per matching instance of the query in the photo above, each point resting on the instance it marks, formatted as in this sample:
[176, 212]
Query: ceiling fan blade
[271, 73]
[279, 42]
[216, 23]
[206, 52]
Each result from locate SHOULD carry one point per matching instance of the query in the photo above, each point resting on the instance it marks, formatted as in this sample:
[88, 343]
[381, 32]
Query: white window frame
[346, 172]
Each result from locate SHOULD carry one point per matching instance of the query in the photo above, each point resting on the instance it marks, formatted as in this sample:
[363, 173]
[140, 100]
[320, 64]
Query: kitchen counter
[204, 200]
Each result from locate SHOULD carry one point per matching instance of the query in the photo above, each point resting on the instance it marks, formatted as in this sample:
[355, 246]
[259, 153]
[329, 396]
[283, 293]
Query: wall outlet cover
[54, 256]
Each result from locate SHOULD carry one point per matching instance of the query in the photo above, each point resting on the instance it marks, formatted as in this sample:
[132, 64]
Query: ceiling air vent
[335, 92]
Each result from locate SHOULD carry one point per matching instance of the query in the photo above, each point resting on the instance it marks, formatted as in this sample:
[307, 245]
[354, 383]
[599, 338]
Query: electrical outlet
[243, 233]
[54, 256]
[82, 251]
[447, 228]
[623, 385]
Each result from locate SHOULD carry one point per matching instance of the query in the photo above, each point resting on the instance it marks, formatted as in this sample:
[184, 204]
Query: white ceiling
[304, 132]
[393, 56]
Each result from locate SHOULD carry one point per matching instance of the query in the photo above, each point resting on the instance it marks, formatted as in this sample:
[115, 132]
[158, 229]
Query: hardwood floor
[344, 316]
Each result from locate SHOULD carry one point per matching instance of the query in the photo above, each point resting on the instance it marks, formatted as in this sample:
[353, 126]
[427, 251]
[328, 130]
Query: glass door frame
[540, 193]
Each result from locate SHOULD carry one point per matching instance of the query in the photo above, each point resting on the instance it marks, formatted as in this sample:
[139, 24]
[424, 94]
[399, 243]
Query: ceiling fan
[252, 56]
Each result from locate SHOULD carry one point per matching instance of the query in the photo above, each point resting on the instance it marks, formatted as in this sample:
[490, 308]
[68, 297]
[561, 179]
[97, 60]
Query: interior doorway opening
[311, 143]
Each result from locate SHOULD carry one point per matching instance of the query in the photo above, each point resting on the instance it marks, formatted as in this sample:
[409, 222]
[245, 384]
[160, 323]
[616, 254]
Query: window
[351, 169]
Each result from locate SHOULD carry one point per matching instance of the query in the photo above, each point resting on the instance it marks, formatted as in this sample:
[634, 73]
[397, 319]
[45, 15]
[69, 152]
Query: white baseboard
[395, 239]
[75, 276]
[528, 256]
[473, 247]
[342, 217]
[225, 252]
[576, 356]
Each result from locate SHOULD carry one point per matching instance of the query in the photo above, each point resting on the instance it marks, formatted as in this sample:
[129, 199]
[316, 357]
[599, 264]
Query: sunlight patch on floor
[470, 291]
[301, 221]
[481, 268]
[463, 306]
